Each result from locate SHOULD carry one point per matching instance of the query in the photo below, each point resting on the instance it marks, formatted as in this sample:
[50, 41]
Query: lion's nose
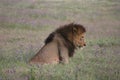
[84, 44]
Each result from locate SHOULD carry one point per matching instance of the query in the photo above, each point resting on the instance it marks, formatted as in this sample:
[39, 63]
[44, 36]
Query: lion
[61, 44]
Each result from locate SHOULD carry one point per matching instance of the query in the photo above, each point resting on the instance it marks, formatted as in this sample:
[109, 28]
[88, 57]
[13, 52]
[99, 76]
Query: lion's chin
[80, 47]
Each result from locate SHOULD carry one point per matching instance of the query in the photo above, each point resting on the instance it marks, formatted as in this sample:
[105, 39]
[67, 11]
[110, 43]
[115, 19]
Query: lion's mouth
[80, 46]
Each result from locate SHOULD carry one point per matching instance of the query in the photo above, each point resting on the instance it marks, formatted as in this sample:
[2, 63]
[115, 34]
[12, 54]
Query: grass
[87, 64]
[25, 24]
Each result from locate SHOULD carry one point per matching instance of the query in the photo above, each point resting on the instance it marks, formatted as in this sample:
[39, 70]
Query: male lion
[60, 44]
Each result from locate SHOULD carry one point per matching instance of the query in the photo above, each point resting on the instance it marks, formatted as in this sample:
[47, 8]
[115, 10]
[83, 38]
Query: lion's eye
[82, 37]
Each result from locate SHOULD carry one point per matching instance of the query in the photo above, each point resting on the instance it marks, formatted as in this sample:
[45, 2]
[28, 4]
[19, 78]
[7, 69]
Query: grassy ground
[24, 24]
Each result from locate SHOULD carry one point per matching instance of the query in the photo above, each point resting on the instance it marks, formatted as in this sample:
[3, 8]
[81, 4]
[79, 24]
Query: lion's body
[49, 53]
[60, 45]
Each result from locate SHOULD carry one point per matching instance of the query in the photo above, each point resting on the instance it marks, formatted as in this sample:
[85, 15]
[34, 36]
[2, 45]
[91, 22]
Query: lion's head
[74, 33]
[78, 35]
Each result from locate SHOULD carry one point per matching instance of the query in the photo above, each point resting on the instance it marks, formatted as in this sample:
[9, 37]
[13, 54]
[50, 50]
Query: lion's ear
[75, 29]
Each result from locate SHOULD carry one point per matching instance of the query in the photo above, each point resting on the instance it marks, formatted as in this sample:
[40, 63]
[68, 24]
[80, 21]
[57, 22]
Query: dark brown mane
[64, 30]
[49, 38]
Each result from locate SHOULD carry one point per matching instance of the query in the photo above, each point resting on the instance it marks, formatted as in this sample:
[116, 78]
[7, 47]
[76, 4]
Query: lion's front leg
[63, 55]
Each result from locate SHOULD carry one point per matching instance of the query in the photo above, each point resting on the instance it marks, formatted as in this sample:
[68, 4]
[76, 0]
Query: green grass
[25, 24]
[87, 64]
[109, 41]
